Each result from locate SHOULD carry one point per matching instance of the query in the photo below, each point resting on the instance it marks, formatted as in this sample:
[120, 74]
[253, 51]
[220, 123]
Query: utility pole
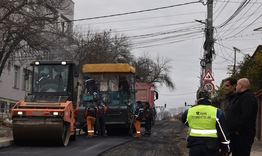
[206, 61]
[235, 59]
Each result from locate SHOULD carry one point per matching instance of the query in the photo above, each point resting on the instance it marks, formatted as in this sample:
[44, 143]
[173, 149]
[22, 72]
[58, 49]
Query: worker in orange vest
[90, 116]
[138, 118]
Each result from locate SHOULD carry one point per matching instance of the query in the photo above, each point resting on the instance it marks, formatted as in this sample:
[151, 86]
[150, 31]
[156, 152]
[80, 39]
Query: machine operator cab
[48, 113]
[116, 85]
[53, 81]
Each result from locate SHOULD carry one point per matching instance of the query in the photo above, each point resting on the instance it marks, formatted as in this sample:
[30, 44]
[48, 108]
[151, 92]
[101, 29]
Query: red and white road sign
[209, 87]
[208, 76]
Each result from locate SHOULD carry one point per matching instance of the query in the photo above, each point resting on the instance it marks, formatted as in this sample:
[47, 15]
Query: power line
[221, 9]
[242, 36]
[222, 51]
[245, 27]
[244, 21]
[238, 10]
[164, 33]
[144, 18]
[135, 12]
[230, 48]
[172, 39]
[172, 42]
[153, 27]
[246, 18]
[187, 34]
[224, 1]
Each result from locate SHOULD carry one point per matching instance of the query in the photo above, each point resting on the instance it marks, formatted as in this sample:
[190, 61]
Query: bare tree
[102, 48]
[28, 27]
[97, 47]
[154, 71]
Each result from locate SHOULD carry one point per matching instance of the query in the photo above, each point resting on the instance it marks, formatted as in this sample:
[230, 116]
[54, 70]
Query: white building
[15, 81]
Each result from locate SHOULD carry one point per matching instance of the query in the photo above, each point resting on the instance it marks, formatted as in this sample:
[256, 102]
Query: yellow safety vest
[202, 121]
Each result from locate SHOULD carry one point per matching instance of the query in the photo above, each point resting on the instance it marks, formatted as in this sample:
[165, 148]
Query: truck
[116, 85]
[48, 113]
[146, 92]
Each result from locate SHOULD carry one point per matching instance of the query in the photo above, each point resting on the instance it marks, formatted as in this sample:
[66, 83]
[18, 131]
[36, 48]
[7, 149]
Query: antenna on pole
[235, 59]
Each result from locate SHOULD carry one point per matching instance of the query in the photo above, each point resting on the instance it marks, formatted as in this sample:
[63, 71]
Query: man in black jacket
[241, 119]
[228, 93]
[148, 115]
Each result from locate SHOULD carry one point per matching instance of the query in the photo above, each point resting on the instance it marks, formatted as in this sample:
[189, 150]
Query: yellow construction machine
[116, 84]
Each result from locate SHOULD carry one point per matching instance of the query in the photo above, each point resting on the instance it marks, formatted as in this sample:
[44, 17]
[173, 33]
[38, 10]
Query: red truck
[146, 92]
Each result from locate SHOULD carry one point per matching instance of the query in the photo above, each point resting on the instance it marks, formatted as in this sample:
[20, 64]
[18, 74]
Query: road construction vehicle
[89, 101]
[146, 93]
[47, 115]
[116, 85]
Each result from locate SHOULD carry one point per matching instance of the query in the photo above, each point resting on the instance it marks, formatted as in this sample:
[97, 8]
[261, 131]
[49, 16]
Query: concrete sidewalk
[256, 148]
[6, 137]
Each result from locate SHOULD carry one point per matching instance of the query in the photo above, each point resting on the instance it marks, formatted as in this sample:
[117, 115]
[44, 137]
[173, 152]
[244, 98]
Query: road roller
[48, 113]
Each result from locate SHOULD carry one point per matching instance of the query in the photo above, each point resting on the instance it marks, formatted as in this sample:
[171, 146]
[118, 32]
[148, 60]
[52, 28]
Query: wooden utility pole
[206, 61]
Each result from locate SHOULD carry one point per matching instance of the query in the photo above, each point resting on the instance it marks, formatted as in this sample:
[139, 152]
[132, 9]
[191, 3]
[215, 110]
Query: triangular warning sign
[208, 76]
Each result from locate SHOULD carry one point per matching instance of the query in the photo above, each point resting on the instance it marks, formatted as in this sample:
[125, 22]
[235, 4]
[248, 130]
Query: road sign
[209, 87]
[208, 76]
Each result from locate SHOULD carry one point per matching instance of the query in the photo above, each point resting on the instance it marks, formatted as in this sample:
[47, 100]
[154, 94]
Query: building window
[27, 79]
[3, 106]
[17, 76]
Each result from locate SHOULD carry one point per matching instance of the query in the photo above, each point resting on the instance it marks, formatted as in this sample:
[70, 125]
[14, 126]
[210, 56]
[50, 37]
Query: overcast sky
[173, 33]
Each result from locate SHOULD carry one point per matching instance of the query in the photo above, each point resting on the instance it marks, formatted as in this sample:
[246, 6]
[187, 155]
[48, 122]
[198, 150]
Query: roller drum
[48, 131]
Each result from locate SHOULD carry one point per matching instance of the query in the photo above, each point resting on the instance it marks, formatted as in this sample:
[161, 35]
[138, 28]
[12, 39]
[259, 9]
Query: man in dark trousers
[207, 128]
[148, 115]
[228, 95]
[241, 119]
[139, 111]
[100, 122]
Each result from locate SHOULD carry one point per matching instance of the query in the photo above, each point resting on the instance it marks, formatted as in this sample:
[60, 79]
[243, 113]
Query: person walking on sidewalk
[207, 128]
[241, 119]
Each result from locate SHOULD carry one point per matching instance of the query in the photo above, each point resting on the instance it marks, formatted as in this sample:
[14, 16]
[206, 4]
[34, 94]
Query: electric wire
[217, 14]
[153, 27]
[222, 1]
[167, 43]
[236, 12]
[245, 27]
[135, 12]
[244, 21]
[163, 33]
[185, 35]
[142, 19]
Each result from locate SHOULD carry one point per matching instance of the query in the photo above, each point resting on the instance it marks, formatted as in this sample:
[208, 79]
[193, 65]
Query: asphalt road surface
[168, 138]
[83, 146]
